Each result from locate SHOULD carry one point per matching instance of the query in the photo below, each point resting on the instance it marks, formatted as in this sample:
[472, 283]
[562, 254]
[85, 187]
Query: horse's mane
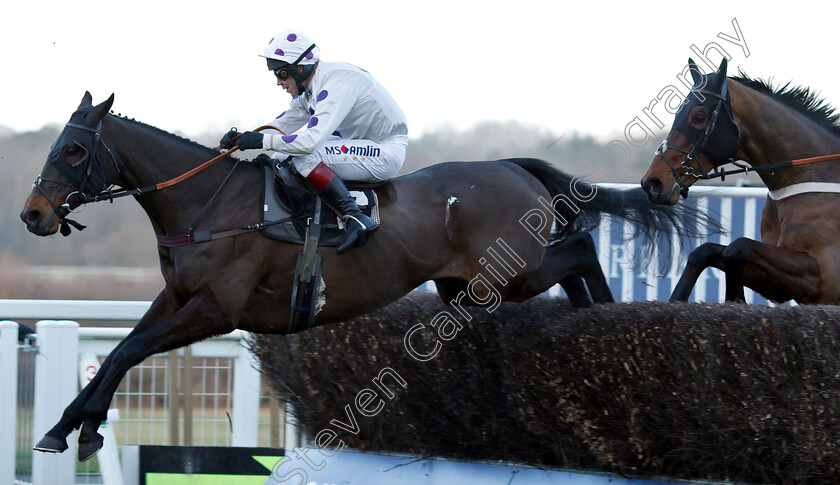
[801, 98]
[195, 144]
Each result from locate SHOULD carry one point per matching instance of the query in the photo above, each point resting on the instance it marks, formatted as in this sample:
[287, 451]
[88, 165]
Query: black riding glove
[227, 141]
[250, 139]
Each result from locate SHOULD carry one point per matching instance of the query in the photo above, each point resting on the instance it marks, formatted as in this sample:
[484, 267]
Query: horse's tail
[579, 205]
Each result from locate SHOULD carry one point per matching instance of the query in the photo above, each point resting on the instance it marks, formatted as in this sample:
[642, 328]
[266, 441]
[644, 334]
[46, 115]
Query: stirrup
[365, 227]
[356, 236]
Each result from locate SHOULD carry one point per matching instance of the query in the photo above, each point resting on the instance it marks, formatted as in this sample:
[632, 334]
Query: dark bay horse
[482, 231]
[773, 130]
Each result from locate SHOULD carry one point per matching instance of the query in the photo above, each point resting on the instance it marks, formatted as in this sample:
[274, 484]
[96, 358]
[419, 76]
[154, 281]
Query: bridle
[93, 170]
[699, 144]
[701, 141]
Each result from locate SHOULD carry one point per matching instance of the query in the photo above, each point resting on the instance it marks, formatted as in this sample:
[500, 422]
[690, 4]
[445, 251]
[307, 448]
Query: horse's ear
[100, 111]
[87, 100]
[720, 76]
[696, 75]
[723, 64]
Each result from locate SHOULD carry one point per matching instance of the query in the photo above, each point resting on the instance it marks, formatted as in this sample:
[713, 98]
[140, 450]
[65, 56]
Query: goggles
[282, 73]
[284, 70]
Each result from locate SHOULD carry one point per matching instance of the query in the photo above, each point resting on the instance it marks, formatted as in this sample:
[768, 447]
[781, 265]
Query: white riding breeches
[357, 160]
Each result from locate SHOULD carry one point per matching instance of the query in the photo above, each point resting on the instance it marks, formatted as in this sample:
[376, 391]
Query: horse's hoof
[48, 444]
[89, 448]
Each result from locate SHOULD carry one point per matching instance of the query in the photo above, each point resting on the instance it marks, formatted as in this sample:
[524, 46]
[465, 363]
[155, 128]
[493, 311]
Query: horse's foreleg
[706, 255]
[55, 440]
[777, 273]
[199, 319]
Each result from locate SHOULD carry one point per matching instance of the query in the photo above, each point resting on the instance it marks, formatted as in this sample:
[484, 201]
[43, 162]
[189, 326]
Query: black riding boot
[356, 224]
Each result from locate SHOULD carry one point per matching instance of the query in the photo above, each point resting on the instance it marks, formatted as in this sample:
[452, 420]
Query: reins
[721, 174]
[192, 236]
[110, 194]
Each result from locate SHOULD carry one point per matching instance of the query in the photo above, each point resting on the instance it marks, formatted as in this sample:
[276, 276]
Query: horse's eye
[71, 150]
[698, 118]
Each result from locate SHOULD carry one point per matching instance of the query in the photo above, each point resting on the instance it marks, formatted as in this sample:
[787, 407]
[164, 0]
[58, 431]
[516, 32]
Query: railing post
[187, 385]
[8, 399]
[274, 422]
[173, 397]
[291, 435]
[246, 398]
[55, 387]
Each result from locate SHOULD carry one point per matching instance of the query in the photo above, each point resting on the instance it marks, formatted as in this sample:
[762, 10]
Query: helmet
[292, 48]
[289, 46]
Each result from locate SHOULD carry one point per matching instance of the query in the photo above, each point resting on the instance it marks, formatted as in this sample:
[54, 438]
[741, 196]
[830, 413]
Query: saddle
[293, 212]
[289, 204]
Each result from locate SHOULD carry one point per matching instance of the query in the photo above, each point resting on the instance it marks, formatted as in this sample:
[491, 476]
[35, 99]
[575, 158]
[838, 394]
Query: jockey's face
[289, 84]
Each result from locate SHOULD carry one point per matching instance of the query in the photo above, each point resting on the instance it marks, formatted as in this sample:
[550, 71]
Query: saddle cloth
[287, 198]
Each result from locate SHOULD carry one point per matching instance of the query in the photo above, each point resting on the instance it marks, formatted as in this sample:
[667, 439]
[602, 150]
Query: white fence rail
[8, 399]
[738, 209]
[60, 345]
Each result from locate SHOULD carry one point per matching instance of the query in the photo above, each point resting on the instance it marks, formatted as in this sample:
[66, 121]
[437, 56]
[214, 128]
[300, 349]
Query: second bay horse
[778, 132]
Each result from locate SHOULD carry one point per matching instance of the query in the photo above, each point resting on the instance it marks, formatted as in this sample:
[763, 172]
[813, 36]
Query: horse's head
[704, 136]
[74, 171]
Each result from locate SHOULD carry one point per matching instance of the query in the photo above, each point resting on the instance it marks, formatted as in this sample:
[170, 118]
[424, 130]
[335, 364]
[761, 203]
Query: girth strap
[307, 277]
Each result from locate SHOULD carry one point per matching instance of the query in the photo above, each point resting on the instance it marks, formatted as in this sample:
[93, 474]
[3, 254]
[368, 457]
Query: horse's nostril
[31, 217]
[652, 185]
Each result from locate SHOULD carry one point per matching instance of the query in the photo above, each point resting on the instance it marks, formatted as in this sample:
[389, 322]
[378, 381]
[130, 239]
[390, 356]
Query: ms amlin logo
[362, 151]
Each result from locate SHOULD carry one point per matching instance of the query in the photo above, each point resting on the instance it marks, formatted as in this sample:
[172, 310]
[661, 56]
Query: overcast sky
[583, 66]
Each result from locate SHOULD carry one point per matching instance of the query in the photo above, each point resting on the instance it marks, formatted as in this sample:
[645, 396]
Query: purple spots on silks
[281, 115]
[322, 95]
[309, 55]
[289, 138]
[311, 111]
[312, 122]
[279, 52]
[336, 133]
[272, 40]
[291, 37]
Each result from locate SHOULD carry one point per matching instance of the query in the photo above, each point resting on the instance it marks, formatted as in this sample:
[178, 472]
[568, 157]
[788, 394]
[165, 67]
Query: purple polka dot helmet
[293, 47]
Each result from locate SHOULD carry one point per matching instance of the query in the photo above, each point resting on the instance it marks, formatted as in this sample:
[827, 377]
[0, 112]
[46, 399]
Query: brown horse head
[783, 134]
[75, 169]
[704, 136]
[738, 118]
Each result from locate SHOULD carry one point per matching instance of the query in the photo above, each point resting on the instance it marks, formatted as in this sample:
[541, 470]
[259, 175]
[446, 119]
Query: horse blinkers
[699, 120]
[76, 159]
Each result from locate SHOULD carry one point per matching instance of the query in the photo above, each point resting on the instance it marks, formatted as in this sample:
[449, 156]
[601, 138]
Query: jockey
[340, 125]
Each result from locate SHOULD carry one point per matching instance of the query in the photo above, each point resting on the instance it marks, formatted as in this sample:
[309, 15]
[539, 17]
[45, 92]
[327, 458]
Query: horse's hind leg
[578, 256]
[55, 440]
[199, 319]
[575, 288]
[567, 262]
